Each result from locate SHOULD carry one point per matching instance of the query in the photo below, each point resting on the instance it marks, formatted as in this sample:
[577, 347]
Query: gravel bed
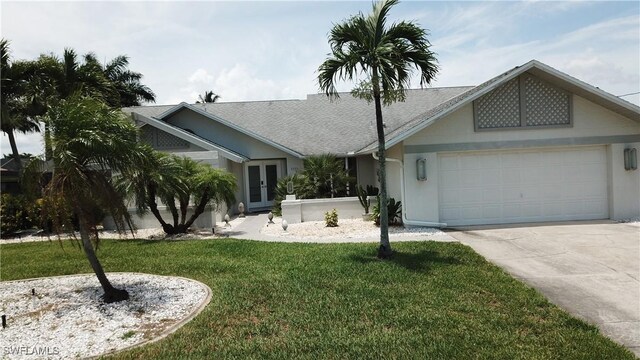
[67, 319]
[346, 229]
[144, 234]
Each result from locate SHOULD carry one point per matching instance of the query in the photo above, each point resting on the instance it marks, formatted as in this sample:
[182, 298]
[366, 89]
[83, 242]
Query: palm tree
[326, 175]
[386, 56]
[209, 97]
[172, 178]
[19, 105]
[130, 91]
[89, 141]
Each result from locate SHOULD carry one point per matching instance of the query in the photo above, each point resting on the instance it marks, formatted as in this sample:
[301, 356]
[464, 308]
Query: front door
[262, 177]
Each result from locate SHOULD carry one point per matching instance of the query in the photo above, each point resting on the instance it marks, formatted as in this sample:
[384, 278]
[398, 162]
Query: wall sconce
[421, 169]
[630, 159]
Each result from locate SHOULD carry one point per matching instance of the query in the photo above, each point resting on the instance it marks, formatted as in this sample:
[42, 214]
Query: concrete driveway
[591, 269]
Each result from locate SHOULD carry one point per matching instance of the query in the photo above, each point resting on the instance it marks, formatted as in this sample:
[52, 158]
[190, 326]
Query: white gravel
[347, 230]
[67, 319]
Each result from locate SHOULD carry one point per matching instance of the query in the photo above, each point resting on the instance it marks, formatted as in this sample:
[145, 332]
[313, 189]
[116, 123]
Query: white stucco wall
[206, 220]
[624, 185]
[589, 121]
[295, 211]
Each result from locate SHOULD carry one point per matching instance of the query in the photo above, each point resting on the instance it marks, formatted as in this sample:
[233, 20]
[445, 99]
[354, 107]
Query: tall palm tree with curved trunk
[209, 97]
[89, 140]
[386, 56]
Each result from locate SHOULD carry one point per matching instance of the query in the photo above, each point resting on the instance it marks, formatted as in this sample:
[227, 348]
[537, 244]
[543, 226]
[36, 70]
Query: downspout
[404, 213]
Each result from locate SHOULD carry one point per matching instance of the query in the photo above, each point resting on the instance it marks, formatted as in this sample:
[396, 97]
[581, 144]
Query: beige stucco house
[532, 144]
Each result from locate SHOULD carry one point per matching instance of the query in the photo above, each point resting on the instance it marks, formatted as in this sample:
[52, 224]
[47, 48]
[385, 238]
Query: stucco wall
[624, 185]
[206, 220]
[295, 211]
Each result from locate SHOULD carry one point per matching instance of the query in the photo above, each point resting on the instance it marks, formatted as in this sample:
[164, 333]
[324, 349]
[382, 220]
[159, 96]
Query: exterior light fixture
[421, 169]
[630, 159]
[290, 187]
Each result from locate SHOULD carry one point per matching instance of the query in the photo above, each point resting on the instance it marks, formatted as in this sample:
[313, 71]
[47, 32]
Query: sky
[267, 50]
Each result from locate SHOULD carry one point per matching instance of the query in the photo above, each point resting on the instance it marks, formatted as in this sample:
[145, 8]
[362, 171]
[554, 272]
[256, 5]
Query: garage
[512, 186]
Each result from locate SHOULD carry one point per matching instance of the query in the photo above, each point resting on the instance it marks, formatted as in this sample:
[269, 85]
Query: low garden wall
[301, 210]
[206, 220]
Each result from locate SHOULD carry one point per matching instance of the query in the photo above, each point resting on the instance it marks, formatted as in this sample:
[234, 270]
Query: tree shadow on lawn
[421, 261]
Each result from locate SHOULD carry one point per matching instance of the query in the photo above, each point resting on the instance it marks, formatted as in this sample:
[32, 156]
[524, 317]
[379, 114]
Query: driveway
[591, 269]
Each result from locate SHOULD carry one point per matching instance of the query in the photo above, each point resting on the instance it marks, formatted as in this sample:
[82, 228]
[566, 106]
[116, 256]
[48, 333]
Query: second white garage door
[523, 186]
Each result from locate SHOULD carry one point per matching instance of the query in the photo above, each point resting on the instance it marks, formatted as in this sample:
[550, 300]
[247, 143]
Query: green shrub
[394, 209]
[331, 218]
[322, 176]
[17, 212]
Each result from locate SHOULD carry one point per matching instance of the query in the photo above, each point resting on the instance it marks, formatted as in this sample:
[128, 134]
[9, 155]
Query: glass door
[262, 177]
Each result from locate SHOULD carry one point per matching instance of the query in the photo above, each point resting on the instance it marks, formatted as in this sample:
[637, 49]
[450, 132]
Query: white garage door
[523, 186]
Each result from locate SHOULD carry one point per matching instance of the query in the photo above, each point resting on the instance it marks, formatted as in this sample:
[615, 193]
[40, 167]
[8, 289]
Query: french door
[262, 177]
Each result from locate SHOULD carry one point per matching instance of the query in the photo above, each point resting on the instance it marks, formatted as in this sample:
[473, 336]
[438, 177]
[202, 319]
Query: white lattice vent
[146, 135]
[168, 141]
[545, 105]
[499, 108]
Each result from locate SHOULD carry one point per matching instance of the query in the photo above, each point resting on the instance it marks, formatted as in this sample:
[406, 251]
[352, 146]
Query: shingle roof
[317, 125]
[347, 125]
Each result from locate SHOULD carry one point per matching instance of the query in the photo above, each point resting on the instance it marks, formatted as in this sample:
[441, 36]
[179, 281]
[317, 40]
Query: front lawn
[285, 301]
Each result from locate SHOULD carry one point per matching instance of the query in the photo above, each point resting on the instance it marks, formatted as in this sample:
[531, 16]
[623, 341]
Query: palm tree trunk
[14, 149]
[384, 251]
[153, 206]
[197, 211]
[111, 294]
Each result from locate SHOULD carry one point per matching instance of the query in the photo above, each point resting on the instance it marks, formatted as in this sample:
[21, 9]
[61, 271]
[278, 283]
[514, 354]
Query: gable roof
[346, 126]
[313, 126]
[187, 136]
[533, 67]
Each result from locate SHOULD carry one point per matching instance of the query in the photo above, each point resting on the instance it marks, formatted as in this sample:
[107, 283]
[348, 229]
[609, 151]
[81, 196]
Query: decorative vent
[545, 105]
[168, 141]
[525, 102]
[499, 108]
[146, 135]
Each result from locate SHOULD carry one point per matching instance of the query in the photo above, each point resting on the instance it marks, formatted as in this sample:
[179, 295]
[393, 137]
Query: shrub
[394, 209]
[301, 189]
[17, 212]
[331, 218]
[322, 176]
[363, 195]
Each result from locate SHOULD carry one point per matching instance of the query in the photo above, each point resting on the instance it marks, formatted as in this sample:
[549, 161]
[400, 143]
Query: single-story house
[531, 144]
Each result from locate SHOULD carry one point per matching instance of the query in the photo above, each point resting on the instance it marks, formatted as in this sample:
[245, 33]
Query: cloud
[200, 76]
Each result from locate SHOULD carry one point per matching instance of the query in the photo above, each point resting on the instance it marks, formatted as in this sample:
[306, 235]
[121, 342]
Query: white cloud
[200, 76]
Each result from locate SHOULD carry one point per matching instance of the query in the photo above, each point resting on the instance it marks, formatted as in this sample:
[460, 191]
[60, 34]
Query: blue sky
[271, 50]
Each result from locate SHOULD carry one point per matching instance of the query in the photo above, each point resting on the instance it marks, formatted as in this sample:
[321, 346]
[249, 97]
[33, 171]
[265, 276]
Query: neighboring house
[10, 175]
[532, 144]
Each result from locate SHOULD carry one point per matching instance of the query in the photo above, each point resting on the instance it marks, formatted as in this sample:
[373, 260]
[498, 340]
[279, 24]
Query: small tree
[89, 140]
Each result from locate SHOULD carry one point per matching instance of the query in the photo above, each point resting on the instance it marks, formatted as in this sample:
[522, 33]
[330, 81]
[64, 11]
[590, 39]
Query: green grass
[284, 301]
